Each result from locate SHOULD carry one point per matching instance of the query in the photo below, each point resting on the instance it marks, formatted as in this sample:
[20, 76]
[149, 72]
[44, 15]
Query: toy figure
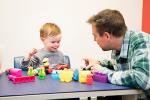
[55, 75]
[30, 71]
[46, 65]
[41, 73]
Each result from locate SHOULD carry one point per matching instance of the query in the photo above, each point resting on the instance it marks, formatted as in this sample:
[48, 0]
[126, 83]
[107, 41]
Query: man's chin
[105, 49]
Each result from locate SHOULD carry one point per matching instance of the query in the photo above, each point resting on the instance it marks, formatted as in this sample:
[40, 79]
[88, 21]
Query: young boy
[50, 35]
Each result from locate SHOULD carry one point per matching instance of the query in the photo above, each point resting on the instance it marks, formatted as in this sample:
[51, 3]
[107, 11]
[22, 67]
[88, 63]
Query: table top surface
[50, 86]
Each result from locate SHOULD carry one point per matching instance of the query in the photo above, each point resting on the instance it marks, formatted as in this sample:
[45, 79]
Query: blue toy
[76, 75]
[55, 75]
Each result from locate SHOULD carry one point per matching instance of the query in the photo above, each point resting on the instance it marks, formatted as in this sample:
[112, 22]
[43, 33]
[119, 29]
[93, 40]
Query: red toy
[89, 80]
[61, 66]
[48, 69]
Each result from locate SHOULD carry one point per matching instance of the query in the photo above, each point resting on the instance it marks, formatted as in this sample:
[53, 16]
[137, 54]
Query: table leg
[129, 97]
[83, 98]
[93, 98]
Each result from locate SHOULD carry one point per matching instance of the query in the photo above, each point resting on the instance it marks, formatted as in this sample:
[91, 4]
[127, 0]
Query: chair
[18, 59]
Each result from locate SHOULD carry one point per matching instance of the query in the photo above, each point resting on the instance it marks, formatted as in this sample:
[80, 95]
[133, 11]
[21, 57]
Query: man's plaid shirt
[131, 66]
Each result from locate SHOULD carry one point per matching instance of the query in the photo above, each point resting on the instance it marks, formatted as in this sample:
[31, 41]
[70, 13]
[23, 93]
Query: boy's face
[52, 43]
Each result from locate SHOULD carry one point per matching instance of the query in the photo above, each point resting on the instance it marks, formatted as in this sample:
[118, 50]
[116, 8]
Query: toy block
[42, 74]
[100, 77]
[89, 80]
[76, 75]
[55, 75]
[61, 66]
[83, 75]
[14, 71]
[66, 75]
[21, 79]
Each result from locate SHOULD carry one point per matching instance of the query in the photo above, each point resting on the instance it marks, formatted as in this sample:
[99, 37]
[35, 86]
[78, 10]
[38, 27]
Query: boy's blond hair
[49, 29]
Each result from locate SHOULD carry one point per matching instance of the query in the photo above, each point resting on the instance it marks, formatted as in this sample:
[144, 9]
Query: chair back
[18, 59]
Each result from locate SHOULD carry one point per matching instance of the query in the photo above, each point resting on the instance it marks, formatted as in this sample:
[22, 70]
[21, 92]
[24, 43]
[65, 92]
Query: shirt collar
[125, 44]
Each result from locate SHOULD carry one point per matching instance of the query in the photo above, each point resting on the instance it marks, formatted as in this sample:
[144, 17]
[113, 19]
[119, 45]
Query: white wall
[20, 21]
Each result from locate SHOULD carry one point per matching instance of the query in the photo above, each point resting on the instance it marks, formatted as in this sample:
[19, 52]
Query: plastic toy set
[48, 69]
[61, 72]
[15, 75]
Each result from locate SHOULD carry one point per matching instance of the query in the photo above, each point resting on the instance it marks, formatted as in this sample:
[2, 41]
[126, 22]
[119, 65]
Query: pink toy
[0, 73]
[21, 79]
[15, 72]
[97, 76]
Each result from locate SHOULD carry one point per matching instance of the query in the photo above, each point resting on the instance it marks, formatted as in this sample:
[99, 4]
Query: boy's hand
[31, 53]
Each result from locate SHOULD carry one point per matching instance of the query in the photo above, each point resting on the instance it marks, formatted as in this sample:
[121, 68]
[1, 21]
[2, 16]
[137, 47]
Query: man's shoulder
[139, 39]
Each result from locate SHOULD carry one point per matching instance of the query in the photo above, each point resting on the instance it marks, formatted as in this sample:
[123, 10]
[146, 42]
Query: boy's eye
[55, 41]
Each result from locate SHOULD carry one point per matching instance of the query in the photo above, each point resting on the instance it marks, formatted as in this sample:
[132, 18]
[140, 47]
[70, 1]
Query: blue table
[54, 89]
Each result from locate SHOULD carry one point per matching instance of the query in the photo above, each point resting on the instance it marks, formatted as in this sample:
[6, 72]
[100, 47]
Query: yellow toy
[30, 71]
[45, 62]
[83, 75]
[66, 75]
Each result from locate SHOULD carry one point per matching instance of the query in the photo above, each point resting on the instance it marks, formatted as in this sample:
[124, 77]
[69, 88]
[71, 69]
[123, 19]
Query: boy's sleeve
[24, 63]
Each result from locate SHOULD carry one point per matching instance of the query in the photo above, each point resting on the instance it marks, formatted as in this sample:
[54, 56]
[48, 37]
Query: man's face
[52, 43]
[102, 41]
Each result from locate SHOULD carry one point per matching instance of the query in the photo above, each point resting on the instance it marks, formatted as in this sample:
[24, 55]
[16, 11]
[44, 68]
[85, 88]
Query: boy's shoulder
[43, 52]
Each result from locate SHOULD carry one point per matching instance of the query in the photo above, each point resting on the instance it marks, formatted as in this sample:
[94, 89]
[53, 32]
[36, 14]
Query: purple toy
[100, 77]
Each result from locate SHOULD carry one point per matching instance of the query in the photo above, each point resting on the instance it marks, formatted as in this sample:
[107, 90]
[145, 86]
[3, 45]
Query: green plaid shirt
[131, 66]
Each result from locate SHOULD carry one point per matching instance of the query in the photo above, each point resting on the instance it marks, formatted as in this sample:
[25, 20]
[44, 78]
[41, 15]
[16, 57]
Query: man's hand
[89, 62]
[95, 68]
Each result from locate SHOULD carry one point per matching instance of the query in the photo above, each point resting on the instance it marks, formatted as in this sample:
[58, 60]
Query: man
[130, 64]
